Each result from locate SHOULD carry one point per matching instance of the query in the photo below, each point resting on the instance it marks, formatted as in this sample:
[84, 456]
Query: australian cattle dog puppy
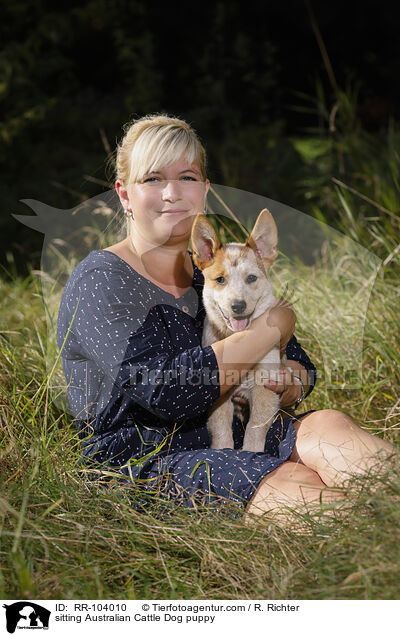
[237, 289]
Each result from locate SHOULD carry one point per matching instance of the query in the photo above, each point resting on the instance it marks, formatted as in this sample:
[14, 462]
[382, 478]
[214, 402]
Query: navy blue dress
[140, 385]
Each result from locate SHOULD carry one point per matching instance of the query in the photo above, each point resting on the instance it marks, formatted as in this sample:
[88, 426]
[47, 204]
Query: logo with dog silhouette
[26, 615]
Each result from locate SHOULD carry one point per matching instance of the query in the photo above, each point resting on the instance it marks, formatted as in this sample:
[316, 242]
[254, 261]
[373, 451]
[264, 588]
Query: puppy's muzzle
[238, 306]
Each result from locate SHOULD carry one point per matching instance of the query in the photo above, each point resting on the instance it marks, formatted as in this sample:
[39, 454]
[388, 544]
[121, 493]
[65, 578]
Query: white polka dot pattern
[123, 331]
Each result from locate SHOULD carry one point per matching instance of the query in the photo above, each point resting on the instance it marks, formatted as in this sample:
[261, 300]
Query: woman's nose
[171, 191]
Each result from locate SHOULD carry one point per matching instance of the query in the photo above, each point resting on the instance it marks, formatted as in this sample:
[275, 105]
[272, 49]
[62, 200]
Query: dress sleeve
[295, 352]
[116, 328]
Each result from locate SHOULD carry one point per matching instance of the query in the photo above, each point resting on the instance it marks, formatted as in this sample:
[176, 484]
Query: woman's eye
[220, 280]
[157, 179]
[251, 278]
[149, 180]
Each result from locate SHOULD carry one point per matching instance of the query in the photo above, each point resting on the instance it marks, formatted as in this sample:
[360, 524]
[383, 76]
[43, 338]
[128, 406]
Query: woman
[140, 384]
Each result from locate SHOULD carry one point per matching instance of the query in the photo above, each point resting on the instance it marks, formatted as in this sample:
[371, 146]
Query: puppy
[237, 289]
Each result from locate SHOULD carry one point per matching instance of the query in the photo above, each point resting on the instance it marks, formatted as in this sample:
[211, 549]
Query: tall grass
[64, 536]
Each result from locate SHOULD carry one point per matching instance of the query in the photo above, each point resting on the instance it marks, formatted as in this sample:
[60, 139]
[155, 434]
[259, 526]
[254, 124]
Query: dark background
[248, 76]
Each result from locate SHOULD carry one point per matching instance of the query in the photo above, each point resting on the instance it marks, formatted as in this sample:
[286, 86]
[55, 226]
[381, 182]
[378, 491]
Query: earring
[128, 213]
[205, 211]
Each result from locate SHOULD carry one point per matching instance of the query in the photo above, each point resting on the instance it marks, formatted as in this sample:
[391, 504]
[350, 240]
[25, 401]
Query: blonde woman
[140, 383]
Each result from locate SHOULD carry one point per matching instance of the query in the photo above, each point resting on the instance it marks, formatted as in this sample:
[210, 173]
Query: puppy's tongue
[238, 325]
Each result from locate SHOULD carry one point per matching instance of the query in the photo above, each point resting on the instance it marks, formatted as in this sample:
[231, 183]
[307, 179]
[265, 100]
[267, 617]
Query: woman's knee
[332, 444]
[325, 426]
[284, 482]
[318, 434]
[326, 420]
[290, 484]
[289, 472]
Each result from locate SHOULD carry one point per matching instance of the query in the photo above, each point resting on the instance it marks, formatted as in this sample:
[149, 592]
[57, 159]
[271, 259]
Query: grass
[63, 536]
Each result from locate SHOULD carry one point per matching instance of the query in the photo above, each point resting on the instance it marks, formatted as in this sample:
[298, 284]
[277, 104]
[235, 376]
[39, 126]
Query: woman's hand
[282, 316]
[288, 390]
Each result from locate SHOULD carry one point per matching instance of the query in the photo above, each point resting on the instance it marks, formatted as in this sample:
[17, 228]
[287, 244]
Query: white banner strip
[165, 617]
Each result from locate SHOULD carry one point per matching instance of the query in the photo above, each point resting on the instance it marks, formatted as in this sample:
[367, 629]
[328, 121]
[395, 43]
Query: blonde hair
[156, 141]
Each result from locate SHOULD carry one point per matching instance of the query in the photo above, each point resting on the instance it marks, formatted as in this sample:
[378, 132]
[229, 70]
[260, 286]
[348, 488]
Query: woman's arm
[109, 325]
[243, 349]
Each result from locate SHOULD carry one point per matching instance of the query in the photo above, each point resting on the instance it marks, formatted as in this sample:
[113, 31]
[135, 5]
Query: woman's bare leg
[289, 485]
[334, 446]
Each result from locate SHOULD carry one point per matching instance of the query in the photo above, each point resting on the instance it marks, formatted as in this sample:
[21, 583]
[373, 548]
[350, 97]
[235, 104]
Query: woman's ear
[122, 193]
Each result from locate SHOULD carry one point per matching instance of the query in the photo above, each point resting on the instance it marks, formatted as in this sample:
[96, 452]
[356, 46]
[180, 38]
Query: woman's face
[165, 202]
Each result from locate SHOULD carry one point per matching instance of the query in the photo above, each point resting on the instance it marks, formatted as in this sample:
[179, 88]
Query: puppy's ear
[264, 238]
[205, 242]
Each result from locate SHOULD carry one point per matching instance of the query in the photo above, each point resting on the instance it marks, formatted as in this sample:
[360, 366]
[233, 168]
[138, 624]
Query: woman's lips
[173, 211]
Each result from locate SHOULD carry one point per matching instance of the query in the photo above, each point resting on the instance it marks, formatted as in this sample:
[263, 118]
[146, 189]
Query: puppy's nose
[238, 306]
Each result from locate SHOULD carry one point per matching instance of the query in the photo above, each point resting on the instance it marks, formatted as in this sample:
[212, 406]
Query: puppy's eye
[220, 280]
[251, 278]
